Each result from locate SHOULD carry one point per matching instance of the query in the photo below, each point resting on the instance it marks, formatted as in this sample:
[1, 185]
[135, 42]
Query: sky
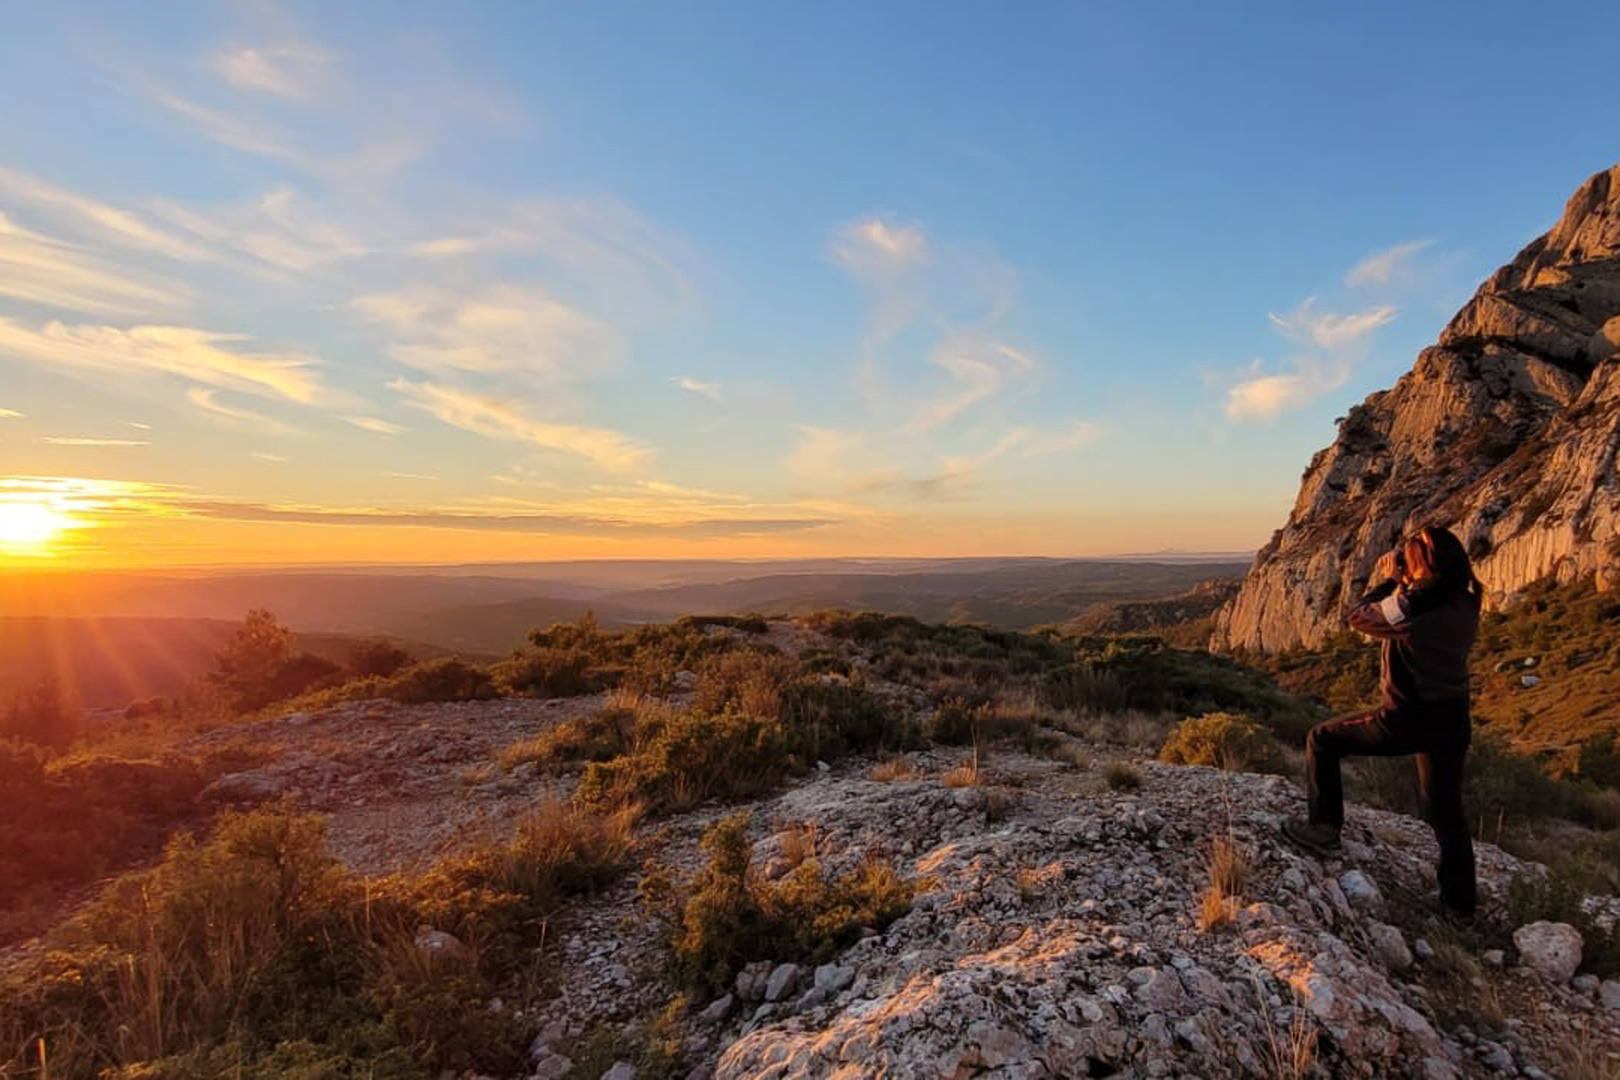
[433, 283]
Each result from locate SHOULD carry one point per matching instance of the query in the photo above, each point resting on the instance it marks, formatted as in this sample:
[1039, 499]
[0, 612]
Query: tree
[246, 668]
[44, 713]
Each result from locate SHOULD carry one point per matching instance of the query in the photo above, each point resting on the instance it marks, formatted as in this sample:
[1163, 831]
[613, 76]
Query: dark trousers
[1437, 735]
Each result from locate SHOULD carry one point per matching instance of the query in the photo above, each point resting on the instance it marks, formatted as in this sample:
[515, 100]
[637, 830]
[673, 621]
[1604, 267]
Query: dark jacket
[1426, 633]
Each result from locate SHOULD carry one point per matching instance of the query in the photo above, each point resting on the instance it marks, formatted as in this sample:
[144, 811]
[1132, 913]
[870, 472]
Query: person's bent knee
[1319, 740]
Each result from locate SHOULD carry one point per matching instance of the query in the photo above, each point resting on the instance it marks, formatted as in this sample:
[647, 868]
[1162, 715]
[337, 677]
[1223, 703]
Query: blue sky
[380, 282]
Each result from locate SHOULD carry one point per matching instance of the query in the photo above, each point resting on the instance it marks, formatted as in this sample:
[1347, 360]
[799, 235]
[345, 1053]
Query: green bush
[826, 718]
[726, 917]
[447, 679]
[377, 656]
[1224, 740]
[72, 821]
[43, 712]
[549, 672]
[692, 758]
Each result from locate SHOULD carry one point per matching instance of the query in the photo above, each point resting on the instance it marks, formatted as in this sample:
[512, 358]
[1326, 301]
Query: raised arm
[1383, 611]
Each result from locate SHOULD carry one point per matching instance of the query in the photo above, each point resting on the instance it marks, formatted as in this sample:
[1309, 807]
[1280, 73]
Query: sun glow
[30, 528]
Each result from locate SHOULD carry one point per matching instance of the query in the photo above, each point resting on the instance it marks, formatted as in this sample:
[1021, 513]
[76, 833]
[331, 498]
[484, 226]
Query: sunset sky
[379, 282]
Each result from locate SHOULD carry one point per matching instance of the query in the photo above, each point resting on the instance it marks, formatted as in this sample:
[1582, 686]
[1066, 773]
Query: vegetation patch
[255, 953]
[1225, 740]
[728, 916]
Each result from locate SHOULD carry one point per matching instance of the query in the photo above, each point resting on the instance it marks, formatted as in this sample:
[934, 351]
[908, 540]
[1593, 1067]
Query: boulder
[1550, 949]
[440, 947]
[1390, 946]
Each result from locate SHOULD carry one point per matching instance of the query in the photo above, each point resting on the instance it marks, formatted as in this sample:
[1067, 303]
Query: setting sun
[30, 527]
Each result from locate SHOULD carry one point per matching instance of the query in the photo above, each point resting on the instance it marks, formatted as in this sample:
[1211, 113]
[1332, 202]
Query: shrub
[1224, 740]
[377, 656]
[725, 917]
[825, 719]
[447, 679]
[256, 954]
[43, 712]
[549, 672]
[750, 680]
[1121, 776]
[690, 759]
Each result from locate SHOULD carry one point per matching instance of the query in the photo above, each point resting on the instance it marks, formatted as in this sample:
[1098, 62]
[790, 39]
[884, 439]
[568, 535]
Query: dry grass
[1587, 1058]
[1290, 1053]
[1070, 753]
[892, 771]
[1029, 883]
[964, 775]
[1228, 876]
[1460, 988]
[799, 843]
[1122, 776]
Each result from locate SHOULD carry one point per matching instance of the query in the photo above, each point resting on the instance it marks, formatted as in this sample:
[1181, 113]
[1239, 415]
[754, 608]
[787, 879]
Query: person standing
[1424, 610]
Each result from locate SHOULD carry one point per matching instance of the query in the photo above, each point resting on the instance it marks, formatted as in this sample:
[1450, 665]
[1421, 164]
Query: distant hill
[489, 609]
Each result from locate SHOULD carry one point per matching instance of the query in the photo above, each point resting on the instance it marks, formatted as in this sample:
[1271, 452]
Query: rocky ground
[402, 784]
[1057, 933]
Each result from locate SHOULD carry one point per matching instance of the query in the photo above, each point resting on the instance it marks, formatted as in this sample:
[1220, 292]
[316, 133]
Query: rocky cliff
[1506, 430]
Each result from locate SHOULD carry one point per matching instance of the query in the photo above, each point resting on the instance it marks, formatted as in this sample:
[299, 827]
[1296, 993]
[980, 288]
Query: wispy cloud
[39, 270]
[93, 218]
[710, 390]
[207, 399]
[607, 249]
[978, 368]
[200, 356]
[879, 246]
[294, 70]
[824, 454]
[374, 425]
[494, 418]
[265, 455]
[280, 230]
[504, 329]
[1325, 330]
[1387, 266]
[1329, 345]
[84, 440]
[10, 414]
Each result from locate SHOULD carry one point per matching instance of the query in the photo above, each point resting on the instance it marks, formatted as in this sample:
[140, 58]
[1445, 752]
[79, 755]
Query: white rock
[781, 982]
[1552, 950]
[718, 1009]
[1361, 891]
[1609, 994]
[440, 946]
[1390, 946]
[622, 1070]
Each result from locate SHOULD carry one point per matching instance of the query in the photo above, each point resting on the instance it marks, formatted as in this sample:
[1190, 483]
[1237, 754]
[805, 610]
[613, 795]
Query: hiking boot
[1320, 840]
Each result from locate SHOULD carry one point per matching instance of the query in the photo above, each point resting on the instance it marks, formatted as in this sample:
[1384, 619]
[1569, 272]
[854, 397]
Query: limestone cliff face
[1506, 430]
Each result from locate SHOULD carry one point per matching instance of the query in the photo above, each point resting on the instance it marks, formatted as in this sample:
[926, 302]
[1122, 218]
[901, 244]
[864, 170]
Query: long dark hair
[1434, 556]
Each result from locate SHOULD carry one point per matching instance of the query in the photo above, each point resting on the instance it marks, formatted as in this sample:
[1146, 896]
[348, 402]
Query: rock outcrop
[1506, 430]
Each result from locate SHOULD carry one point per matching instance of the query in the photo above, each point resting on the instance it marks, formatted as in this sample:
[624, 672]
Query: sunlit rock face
[1505, 430]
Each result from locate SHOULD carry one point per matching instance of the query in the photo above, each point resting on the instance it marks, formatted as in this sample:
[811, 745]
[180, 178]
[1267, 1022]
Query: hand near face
[1387, 569]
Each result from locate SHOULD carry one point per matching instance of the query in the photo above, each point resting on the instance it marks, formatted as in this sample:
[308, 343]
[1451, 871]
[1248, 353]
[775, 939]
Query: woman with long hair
[1424, 610]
